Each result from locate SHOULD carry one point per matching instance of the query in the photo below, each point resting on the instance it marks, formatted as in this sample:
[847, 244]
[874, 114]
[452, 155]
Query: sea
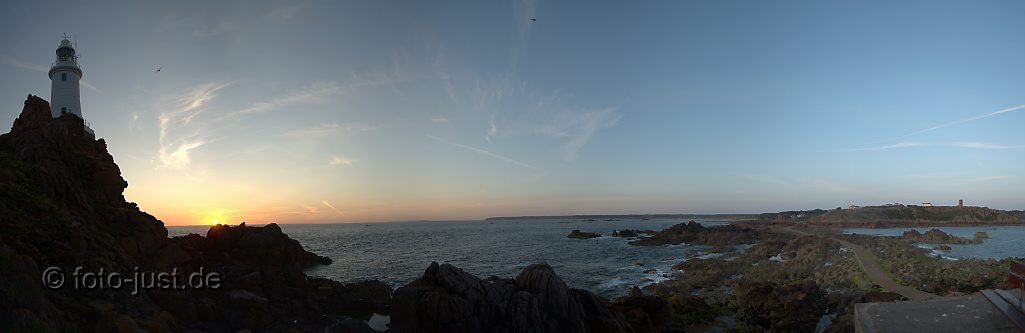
[1003, 241]
[398, 252]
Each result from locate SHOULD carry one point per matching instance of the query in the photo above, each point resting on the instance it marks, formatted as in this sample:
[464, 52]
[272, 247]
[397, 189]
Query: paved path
[877, 274]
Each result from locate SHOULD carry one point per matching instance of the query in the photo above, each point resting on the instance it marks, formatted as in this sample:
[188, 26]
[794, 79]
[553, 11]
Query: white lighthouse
[64, 76]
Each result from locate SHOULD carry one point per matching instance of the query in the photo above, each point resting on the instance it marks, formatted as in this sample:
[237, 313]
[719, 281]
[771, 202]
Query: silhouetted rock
[936, 236]
[62, 205]
[582, 235]
[447, 299]
[644, 313]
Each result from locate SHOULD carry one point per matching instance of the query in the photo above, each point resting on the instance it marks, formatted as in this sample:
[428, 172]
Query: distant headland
[731, 217]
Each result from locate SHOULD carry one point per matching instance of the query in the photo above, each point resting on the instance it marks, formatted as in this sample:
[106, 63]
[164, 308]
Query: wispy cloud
[133, 124]
[86, 84]
[175, 147]
[492, 129]
[43, 69]
[176, 157]
[339, 160]
[967, 145]
[315, 92]
[439, 120]
[584, 126]
[965, 120]
[483, 152]
[329, 205]
[207, 23]
[326, 130]
[935, 175]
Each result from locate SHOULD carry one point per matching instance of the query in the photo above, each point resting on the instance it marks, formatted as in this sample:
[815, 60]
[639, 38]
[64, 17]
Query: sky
[365, 111]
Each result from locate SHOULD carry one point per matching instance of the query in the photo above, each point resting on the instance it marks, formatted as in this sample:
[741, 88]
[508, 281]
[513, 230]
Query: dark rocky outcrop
[448, 299]
[694, 233]
[794, 307]
[629, 233]
[61, 205]
[582, 234]
[936, 236]
[644, 313]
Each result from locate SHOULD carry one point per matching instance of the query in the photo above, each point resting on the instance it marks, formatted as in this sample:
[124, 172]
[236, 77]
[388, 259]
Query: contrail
[962, 121]
[483, 152]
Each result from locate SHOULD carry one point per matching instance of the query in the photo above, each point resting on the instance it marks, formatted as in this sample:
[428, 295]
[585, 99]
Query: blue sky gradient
[339, 111]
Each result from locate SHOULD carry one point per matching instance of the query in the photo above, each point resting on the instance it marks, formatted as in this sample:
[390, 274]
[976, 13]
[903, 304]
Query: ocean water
[1003, 241]
[398, 252]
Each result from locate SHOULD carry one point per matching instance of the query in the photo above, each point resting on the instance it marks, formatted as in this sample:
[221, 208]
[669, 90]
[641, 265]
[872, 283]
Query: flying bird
[161, 67]
[533, 20]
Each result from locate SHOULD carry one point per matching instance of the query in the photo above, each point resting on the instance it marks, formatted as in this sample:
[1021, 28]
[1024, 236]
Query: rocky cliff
[61, 205]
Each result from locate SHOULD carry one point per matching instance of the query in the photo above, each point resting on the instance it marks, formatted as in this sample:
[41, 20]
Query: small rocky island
[582, 234]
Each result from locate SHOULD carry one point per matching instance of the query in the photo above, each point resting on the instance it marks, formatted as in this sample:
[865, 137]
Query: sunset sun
[213, 221]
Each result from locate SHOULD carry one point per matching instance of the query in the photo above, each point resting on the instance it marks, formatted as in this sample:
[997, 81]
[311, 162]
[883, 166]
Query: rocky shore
[936, 236]
[62, 206]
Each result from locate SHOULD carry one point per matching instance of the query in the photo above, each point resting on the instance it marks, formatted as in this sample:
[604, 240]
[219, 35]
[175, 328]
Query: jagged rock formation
[61, 205]
[936, 236]
[448, 299]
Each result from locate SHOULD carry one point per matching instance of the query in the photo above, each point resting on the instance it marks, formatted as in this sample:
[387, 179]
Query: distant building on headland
[895, 204]
[926, 204]
[853, 207]
[960, 202]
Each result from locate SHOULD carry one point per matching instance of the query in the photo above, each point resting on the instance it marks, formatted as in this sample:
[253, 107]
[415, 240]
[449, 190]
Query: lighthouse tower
[64, 76]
